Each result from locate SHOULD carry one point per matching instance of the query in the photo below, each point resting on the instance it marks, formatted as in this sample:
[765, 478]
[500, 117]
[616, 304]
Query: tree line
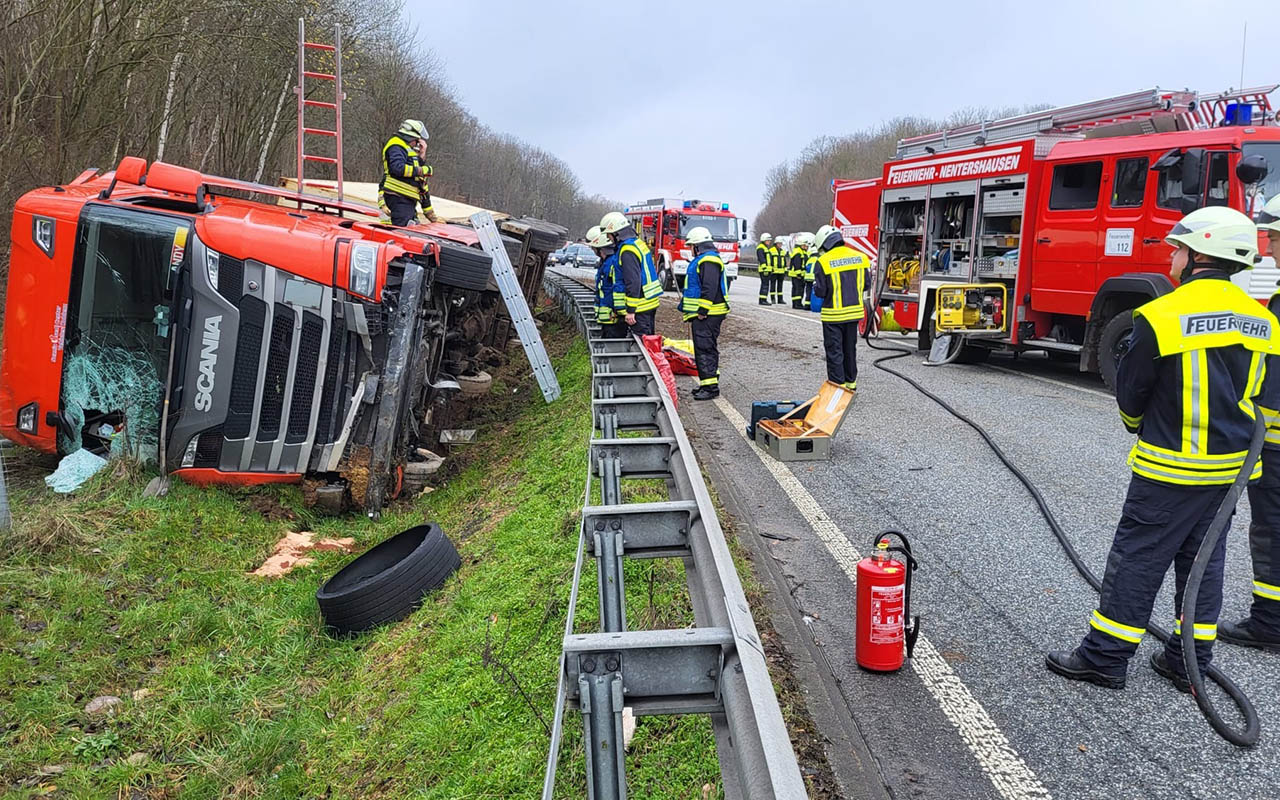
[209, 84]
[798, 195]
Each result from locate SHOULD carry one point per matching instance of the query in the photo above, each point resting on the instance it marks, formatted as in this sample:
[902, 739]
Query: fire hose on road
[1252, 726]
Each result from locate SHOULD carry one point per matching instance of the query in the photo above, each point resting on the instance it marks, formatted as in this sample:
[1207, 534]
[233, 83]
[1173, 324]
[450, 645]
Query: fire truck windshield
[723, 229]
[1270, 186]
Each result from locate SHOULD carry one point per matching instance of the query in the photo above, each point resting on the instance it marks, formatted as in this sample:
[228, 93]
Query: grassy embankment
[231, 688]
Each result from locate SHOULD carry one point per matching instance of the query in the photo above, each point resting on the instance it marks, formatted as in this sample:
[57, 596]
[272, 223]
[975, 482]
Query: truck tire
[667, 277]
[1113, 344]
[474, 385]
[388, 582]
[463, 267]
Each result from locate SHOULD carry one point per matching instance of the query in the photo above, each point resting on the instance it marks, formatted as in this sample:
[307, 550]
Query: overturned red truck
[162, 311]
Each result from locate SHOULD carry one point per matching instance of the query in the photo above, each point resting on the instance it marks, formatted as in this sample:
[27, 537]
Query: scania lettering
[208, 360]
[1046, 230]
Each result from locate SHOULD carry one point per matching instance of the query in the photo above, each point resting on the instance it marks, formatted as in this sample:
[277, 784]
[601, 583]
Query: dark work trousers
[797, 291]
[644, 323]
[765, 282]
[841, 342]
[615, 330]
[1160, 525]
[808, 293]
[706, 348]
[1264, 546]
[403, 210]
[775, 293]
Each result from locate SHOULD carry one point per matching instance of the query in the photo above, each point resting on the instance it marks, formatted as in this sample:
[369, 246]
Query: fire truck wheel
[475, 385]
[1112, 345]
[388, 582]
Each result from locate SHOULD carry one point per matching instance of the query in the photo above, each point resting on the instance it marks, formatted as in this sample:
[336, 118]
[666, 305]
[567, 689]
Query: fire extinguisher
[884, 606]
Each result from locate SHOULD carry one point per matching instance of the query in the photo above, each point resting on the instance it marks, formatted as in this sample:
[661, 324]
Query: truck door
[1167, 207]
[1068, 239]
[1124, 223]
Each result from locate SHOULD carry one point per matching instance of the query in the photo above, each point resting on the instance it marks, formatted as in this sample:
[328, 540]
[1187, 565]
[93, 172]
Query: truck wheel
[474, 385]
[1113, 344]
[667, 277]
[388, 582]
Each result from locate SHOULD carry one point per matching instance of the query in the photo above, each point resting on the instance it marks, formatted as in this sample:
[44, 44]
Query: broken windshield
[118, 326]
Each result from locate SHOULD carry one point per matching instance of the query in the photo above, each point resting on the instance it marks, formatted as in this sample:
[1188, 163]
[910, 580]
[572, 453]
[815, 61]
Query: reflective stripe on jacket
[839, 278]
[810, 262]
[763, 265]
[796, 267]
[639, 275]
[609, 301]
[1273, 367]
[403, 173]
[1193, 380]
[705, 289]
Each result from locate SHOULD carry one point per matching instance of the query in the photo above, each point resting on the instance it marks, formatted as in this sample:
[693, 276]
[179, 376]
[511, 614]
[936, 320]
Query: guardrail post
[600, 690]
[613, 599]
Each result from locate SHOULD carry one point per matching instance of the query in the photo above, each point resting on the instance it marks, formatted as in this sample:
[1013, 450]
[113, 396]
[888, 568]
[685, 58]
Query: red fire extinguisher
[884, 606]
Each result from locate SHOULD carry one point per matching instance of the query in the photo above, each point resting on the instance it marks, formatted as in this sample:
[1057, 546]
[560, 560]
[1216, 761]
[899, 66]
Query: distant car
[575, 255]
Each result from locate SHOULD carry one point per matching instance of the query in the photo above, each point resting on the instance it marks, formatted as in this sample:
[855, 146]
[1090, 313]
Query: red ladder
[303, 103]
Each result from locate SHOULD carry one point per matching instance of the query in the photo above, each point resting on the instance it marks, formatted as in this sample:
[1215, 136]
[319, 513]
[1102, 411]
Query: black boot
[1070, 665]
[1161, 665]
[706, 393]
[1246, 634]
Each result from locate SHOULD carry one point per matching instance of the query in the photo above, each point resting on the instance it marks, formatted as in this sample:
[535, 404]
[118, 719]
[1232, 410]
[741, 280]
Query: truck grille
[244, 376]
[209, 448]
[230, 277]
[277, 375]
[304, 380]
[334, 368]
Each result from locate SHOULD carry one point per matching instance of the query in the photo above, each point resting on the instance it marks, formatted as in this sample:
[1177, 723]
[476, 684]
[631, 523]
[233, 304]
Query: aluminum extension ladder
[517, 307]
[303, 104]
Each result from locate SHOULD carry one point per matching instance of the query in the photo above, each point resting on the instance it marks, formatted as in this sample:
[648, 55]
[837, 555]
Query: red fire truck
[663, 223]
[1043, 231]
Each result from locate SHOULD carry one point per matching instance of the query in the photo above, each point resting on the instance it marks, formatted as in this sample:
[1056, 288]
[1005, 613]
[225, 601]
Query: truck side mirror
[1193, 173]
[1252, 169]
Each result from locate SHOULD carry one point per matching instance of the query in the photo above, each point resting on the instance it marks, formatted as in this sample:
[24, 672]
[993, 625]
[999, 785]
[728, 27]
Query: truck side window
[1075, 186]
[1219, 180]
[1129, 188]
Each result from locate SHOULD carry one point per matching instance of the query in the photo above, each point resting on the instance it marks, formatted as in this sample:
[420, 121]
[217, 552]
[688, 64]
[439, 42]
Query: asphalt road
[978, 715]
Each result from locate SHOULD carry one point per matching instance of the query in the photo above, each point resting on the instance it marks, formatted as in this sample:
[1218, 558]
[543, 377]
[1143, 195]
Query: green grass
[108, 593]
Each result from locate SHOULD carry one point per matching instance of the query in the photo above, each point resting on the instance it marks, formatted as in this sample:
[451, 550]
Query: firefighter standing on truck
[764, 267]
[1189, 386]
[610, 301]
[639, 276]
[1262, 627]
[839, 279]
[795, 268]
[404, 175]
[705, 306]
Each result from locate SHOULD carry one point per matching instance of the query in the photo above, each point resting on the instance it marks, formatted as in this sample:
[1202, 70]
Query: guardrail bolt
[711, 673]
[599, 524]
[611, 663]
[588, 665]
[617, 525]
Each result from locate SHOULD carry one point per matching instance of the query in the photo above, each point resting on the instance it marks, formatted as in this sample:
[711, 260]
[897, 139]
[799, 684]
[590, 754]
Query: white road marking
[1006, 770]
[1063, 384]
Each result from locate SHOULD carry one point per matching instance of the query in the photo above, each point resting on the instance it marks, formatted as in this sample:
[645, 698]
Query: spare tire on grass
[389, 581]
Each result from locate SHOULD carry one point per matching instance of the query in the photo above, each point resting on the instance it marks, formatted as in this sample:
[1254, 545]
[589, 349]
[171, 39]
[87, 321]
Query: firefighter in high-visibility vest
[840, 278]
[610, 300]
[764, 266]
[795, 268]
[403, 187]
[779, 259]
[810, 260]
[705, 304]
[1262, 627]
[1190, 388]
[639, 276]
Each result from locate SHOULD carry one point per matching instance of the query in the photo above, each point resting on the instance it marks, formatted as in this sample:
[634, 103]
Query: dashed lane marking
[1002, 765]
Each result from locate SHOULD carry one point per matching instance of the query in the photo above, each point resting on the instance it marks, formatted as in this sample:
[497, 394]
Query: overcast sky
[659, 98]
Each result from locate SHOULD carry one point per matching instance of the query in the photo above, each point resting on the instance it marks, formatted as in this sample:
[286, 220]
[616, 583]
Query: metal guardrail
[717, 667]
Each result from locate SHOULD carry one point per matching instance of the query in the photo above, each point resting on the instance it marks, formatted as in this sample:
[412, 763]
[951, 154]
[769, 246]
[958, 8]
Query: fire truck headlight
[42, 234]
[211, 266]
[363, 271]
[189, 455]
[27, 418]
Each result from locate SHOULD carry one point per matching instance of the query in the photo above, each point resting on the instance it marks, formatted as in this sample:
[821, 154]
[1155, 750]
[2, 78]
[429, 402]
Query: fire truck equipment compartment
[389, 581]
[808, 439]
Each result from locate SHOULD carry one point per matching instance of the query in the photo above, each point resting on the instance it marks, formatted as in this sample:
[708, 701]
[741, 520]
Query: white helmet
[414, 129]
[698, 235]
[1218, 232]
[1269, 216]
[766, 237]
[826, 238]
[599, 240]
[613, 222]
[805, 239]
[592, 233]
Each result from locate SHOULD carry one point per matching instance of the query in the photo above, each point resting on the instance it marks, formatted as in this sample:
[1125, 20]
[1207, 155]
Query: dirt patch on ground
[269, 506]
[291, 552]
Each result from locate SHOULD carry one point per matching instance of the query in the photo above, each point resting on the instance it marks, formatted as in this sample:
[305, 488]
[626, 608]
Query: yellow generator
[972, 308]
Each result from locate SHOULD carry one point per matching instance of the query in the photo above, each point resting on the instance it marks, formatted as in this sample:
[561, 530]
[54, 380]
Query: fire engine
[663, 223]
[261, 343]
[1044, 231]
